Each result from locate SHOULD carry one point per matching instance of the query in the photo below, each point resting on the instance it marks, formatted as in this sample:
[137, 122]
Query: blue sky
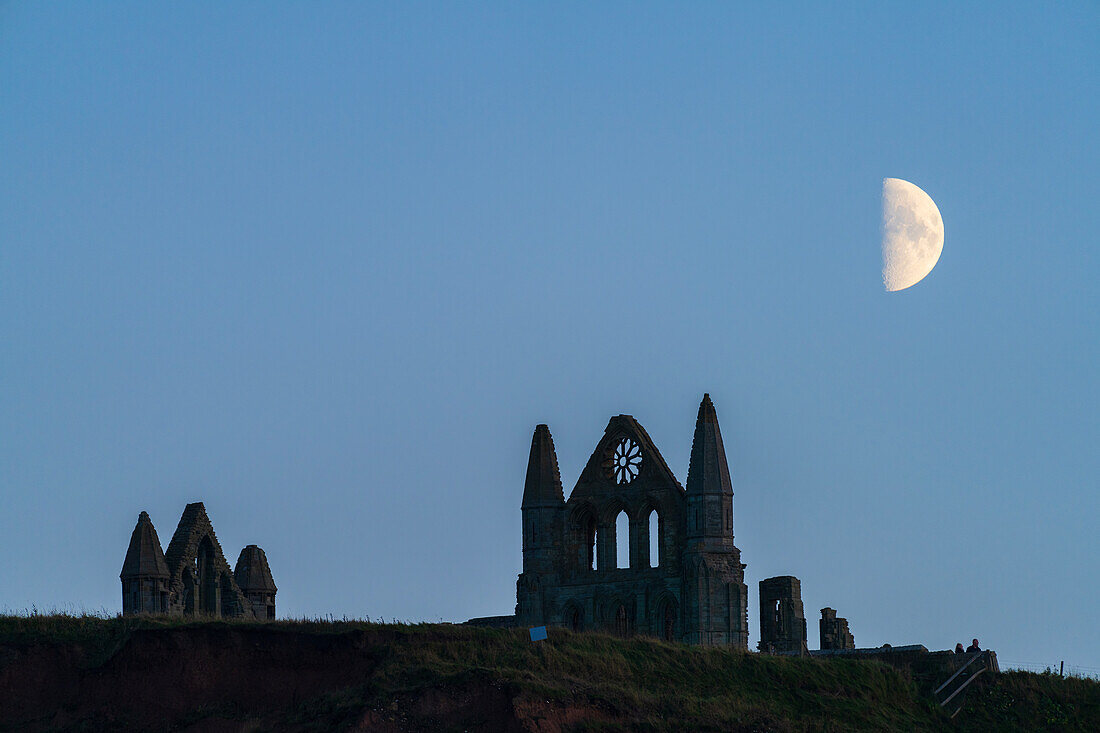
[325, 266]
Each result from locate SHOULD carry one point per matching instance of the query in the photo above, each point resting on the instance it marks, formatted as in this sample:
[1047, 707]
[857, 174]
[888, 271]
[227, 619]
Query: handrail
[963, 686]
[977, 656]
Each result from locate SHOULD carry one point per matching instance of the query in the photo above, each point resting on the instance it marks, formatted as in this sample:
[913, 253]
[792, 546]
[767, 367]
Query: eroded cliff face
[224, 679]
[159, 678]
[150, 673]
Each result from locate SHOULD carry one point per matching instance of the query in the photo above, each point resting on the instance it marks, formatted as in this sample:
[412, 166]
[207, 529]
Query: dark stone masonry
[193, 578]
[689, 588]
[692, 591]
[834, 631]
[782, 620]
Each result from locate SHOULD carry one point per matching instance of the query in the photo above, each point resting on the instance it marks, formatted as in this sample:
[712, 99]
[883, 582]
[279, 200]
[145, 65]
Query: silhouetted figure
[959, 648]
[974, 647]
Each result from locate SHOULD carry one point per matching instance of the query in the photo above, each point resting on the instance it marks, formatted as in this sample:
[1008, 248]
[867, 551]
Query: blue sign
[538, 633]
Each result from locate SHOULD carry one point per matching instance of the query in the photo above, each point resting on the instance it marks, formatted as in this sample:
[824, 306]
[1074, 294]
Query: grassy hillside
[87, 673]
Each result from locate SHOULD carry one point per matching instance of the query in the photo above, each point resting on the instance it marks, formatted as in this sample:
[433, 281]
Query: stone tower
[716, 597]
[543, 508]
[691, 588]
[834, 631]
[253, 577]
[144, 572]
[782, 619]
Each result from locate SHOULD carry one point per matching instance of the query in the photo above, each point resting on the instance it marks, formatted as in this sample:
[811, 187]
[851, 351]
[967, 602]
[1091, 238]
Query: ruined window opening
[622, 540]
[654, 539]
[576, 620]
[625, 461]
[207, 578]
[591, 543]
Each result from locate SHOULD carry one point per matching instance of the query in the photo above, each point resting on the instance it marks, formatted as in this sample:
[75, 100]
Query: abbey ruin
[193, 578]
[692, 589]
[683, 579]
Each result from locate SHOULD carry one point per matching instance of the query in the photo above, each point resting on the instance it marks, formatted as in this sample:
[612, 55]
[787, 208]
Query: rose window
[625, 461]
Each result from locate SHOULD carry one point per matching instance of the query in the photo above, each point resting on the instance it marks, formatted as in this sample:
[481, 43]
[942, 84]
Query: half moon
[912, 234]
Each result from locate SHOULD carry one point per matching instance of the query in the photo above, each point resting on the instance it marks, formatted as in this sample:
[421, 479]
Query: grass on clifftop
[639, 684]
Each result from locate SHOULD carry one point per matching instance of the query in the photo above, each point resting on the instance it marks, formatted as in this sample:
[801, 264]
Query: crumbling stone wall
[193, 577]
[782, 620]
[834, 631]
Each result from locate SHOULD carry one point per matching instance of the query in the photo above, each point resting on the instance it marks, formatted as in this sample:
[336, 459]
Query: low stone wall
[872, 651]
[496, 622]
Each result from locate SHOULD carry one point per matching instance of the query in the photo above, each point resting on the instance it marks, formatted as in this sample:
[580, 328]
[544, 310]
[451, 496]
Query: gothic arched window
[654, 522]
[622, 540]
[590, 542]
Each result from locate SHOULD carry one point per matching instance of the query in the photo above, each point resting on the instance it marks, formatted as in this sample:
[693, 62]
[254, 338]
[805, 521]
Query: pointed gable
[192, 532]
[144, 557]
[708, 472]
[543, 485]
[252, 572]
[184, 548]
[599, 474]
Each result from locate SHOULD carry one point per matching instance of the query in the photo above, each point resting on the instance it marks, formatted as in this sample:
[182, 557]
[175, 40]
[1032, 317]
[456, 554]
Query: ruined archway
[666, 620]
[583, 527]
[623, 626]
[573, 616]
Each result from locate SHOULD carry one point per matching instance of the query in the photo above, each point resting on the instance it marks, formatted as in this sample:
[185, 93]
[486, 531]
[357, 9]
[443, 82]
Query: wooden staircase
[975, 664]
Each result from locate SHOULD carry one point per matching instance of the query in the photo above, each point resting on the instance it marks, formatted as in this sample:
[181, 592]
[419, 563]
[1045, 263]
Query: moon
[912, 234]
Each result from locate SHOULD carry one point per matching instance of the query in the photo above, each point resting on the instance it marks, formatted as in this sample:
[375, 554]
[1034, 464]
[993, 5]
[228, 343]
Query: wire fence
[1069, 670]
